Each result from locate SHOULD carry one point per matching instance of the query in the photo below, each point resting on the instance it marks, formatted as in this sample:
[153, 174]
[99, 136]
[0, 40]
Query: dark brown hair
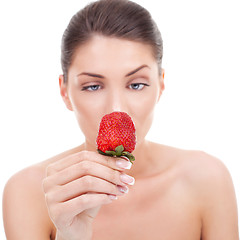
[114, 18]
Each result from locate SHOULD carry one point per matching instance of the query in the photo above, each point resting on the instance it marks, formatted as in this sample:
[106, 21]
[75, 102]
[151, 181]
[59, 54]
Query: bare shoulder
[199, 169]
[212, 184]
[24, 210]
[23, 199]
[201, 166]
[208, 183]
[206, 173]
[32, 176]
[195, 165]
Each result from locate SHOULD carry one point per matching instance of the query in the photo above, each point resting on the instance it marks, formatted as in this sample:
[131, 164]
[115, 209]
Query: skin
[177, 194]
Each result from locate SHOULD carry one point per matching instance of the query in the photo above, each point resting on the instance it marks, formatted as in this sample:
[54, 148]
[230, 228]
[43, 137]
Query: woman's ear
[64, 93]
[161, 82]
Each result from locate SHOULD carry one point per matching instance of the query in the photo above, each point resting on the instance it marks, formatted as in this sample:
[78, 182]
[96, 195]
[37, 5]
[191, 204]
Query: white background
[198, 110]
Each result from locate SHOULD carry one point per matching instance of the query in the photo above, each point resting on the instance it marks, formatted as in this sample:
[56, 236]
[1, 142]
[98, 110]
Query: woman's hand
[75, 188]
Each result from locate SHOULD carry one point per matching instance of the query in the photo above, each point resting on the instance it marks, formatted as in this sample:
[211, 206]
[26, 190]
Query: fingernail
[113, 197]
[123, 189]
[127, 179]
[123, 164]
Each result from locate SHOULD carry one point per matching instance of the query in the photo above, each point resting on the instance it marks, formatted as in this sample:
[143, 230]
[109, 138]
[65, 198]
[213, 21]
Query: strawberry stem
[119, 151]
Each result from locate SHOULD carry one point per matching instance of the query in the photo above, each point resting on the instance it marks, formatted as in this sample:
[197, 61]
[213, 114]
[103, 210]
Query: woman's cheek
[88, 114]
[142, 113]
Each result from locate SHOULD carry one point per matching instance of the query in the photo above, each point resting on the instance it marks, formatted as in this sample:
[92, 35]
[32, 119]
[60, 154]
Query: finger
[88, 201]
[114, 163]
[82, 186]
[86, 168]
[63, 213]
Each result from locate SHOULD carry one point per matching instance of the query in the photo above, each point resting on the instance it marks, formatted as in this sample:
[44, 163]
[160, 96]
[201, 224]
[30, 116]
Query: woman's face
[111, 74]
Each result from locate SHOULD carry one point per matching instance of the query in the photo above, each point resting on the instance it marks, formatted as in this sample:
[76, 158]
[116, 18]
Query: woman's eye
[137, 86]
[91, 88]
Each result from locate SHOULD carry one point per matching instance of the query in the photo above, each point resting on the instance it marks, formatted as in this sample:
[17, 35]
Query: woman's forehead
[101, 51]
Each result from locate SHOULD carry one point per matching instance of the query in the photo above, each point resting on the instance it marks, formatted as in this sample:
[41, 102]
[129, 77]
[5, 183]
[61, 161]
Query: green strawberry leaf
[118, 153]
[111, 153]
[101, 152]
[131, 157]
[119, 149]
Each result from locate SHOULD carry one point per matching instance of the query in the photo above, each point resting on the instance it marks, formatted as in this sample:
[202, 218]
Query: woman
[111, 60]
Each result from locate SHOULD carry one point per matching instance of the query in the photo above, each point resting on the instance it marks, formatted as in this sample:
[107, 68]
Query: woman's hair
[112, 18]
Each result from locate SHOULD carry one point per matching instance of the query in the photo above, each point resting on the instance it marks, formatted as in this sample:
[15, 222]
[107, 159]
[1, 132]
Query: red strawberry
[116, 135]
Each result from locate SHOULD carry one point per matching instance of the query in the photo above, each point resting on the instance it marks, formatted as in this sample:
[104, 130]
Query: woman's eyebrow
[100, 76]
[136, 70]
[91, 75]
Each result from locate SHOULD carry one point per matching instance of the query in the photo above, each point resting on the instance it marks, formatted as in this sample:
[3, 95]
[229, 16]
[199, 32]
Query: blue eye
[91, 88]
[138, 86]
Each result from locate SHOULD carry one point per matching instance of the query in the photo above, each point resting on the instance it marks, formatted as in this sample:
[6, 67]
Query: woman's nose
[116, 102]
